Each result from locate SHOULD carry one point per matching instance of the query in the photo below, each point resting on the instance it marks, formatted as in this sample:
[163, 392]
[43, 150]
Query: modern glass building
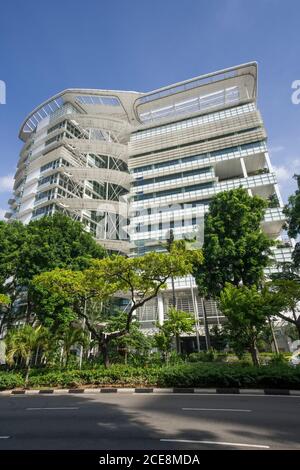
[132, 166]
[75, 160]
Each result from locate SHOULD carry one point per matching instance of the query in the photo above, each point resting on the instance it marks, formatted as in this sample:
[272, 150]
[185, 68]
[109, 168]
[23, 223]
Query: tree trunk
[273, 337]
[28, 311]
[254, 353]
[36, 356]
[104, 350]
[27, 372]
[178, 346]
[66, 356]
[2, 324]
[298, 327]
[206, 329]
[296, 322]
[173, 292]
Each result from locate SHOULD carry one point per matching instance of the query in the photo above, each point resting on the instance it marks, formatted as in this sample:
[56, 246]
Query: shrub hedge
[9, 380]
[181, 375]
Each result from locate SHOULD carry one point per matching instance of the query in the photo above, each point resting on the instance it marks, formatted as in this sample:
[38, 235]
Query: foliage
[292, 211]
[280, 376]
[135, 345]
[178, 322]
[278, 359]
[72, 336]
[139, 279]
[273, 201]
[50, 242]
[235, 248]
[218, 337]
[4, 300]
[230, 375]
[284, 295]
[10, 380]
[202, 356]
[285, 270]
[23, 342]
[56, 241]
[247, 311]
[12, 238]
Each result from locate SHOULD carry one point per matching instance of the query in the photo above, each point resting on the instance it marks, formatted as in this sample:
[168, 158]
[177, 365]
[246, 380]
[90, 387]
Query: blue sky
[142, 45]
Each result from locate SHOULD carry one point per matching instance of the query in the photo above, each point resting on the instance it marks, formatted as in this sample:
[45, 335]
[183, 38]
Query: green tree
[23, 342]
[135, 343]
[247, 311]
[185, 247]
[218, 337]
[285, 297]
[139, 279]
[12, 237]
[163, 342]
[292, 213]
[72, 336]
[4, 300]
[4, 308]
[42, 245]
[235, 248]
[178, 322]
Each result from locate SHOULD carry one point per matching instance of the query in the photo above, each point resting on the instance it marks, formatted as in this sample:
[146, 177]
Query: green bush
[116, 375]
[231, 375]
[198, 375]
[278, 359]
[10, 380]
[202, 356]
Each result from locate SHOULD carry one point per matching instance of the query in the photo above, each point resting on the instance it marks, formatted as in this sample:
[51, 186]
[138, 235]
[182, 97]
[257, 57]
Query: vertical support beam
[276, 189]
[196, 314]
[160, 309]
[244, 169]
[268, 162]
[245, 174]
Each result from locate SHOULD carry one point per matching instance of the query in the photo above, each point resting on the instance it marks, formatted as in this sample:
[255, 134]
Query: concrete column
[160, 309]
[276, 188]
[245, 174]
[244, 169]
[268, 162]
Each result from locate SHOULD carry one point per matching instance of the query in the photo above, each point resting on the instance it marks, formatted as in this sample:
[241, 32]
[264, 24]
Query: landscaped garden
[68, 309]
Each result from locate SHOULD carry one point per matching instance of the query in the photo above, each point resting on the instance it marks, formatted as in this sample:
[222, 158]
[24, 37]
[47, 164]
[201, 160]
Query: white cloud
[276, 149]
[2, 212]
[6, 183]
[283, 174]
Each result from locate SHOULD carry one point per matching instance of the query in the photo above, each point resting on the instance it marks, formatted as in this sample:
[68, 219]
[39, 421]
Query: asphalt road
[144, 421]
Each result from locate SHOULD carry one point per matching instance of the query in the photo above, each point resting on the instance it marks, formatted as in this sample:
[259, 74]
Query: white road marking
[218, 443]
[54, 408]
[4, 437]
[211, 395]
[216, 409]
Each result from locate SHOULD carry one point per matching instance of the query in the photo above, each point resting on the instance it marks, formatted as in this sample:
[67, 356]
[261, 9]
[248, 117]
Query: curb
[175, 390]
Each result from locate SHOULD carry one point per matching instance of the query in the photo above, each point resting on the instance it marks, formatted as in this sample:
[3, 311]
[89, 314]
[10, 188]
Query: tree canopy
[247, 311]
[284, 296]
[178, 322]
[45, 244]
[235, 248]
[292, 213]
[62, 292]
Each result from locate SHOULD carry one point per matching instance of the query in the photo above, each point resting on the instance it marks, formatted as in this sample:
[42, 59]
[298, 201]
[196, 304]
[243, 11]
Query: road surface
[149, 421]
